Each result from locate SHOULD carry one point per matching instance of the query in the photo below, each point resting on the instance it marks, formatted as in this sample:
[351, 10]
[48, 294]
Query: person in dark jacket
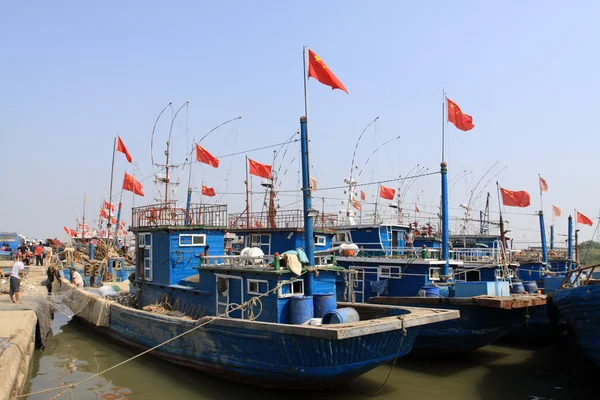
[52, 274]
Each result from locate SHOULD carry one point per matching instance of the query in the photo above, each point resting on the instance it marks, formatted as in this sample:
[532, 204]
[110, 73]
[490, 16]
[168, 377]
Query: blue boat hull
[580, 307]
[258, 357]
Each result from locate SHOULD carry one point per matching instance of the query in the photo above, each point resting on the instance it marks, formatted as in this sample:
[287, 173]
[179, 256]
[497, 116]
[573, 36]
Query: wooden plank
[504, 302]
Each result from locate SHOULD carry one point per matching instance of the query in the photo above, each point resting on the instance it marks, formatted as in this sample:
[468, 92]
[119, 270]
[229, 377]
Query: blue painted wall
[281, 243]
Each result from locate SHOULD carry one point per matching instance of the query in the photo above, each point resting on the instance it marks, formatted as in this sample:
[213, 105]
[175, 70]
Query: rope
[395, 359]
[212, 319]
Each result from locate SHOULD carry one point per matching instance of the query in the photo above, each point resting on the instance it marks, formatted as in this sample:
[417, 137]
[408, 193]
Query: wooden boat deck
[503, 302]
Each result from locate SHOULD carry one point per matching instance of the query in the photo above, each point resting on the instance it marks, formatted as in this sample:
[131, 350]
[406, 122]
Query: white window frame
[217, 303]
[434, 277]
[258, 282]
[142, 244]
[392, 272]
[320, 240]
[291, 293]
[259, 243]
[192, 236]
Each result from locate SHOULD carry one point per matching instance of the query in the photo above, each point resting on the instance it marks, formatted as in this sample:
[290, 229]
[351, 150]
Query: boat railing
[265, 262]
[581, 276]
[167, 214]
[283, 219]
[478, 254]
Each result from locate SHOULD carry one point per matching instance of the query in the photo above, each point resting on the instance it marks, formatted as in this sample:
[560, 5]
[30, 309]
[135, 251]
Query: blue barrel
[324, 303]
[444, 291]
[517, 287]
[341, 316]
[301, 309]
[431, 291]
[530, 286]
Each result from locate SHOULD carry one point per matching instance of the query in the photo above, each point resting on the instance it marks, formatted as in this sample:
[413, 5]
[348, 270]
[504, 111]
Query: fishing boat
[578, 301]
[263, 320]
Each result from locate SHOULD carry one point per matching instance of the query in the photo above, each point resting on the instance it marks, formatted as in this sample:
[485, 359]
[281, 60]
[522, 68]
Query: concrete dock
[22, 326]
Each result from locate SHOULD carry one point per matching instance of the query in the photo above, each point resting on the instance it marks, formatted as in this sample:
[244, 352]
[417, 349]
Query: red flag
[131, 184]
[258, 169]
[113, 220]
[121, 148]
[462, 121]
[73, 232]
[321, 72]
[206, 191]
[109, 206]
[557, 211]
[356, 204]
[68, 232]
[205, 157]
[386, 192]
[417, 209]
[363, 196]
[258, 224]
[582, 219]
[104, 214]
[543, 185]
[515, 199]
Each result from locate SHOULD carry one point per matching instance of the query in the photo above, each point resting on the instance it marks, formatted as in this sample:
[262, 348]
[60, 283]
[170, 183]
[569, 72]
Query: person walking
[15, 282]
[52, 274]
[39, 252]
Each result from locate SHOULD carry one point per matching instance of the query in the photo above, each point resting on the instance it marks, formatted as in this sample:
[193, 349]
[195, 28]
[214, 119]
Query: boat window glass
[388, 272]
[256, 286]
[187, 240]
[320, 240]
[148, 263]
[290, 288]
[434, 274]
[144, 239]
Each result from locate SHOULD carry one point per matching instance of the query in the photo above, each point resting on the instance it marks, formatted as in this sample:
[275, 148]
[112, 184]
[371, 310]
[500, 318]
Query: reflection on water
[495, 372]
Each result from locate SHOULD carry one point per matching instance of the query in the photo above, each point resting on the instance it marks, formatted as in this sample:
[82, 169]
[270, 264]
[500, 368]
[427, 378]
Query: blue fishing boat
[264, 320]
[578, 301]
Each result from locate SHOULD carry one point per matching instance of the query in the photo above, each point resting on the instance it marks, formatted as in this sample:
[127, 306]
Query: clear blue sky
[77, 73]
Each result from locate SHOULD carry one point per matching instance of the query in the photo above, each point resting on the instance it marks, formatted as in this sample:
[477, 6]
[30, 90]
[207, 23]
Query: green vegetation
[589, 253]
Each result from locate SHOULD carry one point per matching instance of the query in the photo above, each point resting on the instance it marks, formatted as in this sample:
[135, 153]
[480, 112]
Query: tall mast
[247, 199]
[445, 217]
[110, 190]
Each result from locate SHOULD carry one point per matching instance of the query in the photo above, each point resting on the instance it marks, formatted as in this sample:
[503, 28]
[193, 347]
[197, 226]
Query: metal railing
[283, 219]
[581, 276]
[166, 214]
[264, 262]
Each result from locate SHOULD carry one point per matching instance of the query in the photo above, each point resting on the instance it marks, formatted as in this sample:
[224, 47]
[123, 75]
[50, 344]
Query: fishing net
[84, 304]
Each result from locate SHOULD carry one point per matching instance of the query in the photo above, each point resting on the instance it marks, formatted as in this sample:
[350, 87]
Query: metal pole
[187, 206]
[112, 174]
[543, 237]
[247, 200]
[570, 243]
[308, 211]
[445, 221]
[552, 237]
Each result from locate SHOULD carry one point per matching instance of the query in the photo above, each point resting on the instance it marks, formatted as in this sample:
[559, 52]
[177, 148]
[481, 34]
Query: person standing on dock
[52, 274]
[39, 252]
[15, 281]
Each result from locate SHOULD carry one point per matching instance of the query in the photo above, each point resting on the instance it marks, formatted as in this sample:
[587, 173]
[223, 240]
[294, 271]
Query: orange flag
[543, 185]
[417, 209]
[462, 121]
[557, 211]
[356, 204]
[313, 184]
[206, 191]
[131, 184]
[386, 192]
[363, 196]
[582, 219]
[122, 149]
[205, 157]
[104, 214]
[515, 198]
[258, 169]
[258, 224]
[320, 71]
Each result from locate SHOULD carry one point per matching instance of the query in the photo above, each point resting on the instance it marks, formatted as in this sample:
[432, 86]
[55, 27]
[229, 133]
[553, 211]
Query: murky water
[495, 372]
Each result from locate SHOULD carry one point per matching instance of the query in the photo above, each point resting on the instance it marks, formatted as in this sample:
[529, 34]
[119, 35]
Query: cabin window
[435, 272]
[320, 240]
[343, 237]
[256, 286]
[144, 239]
[498, 274]
[192, 240]
[291, 288]
[388, 272]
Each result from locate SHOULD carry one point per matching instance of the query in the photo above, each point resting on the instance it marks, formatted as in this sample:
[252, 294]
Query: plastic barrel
[301, 309]
[444, 291]
[530, 286]
[517, 287]
[341, 316]
[431, 291]
[324, 303]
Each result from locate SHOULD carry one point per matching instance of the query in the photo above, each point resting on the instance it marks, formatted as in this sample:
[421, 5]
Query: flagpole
[247, 200]
[443, 125]
[110, 190]
[376, 201]
[541, 198]
[304, 69]
[83, 227]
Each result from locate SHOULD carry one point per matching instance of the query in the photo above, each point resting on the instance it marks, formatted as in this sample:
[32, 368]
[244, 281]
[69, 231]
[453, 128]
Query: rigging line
[356, 145]
[257, 149]
[373, 153]
[154, 129]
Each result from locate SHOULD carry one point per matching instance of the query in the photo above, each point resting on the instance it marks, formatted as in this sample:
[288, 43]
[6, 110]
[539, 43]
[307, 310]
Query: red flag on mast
[320, 71]
[205, 157]
[131, 184]
[109, 206]
[462, 121]
[258, 169]
[122, 149]
[206, 191]
[515, 198]
[557, 211]
[582, 219]
[543, 185]
[363, 196]
[386, 192]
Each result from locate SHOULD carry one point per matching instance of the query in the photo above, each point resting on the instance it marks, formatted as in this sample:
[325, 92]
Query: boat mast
[110, 190]
[445, 217]
[247, 200]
